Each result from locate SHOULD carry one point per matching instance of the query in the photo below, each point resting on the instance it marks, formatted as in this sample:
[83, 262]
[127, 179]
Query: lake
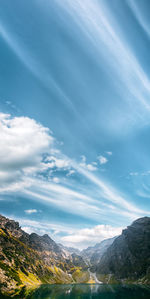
[84, 291]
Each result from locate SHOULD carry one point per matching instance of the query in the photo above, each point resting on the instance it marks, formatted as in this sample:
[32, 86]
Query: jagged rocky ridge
[27, 260]
[128, 258]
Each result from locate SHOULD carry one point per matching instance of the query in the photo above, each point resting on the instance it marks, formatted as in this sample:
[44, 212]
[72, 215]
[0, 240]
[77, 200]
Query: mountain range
[28, 260]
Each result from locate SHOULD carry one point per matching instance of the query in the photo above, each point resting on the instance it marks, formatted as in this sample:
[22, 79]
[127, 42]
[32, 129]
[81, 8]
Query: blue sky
[75, 116]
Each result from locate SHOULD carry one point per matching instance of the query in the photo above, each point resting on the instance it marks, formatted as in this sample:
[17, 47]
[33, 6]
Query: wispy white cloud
[71, 171]
[56, 180]
[110, 194]
[31, 211]
[102, 159]
[109, 153]
[96, 22]
[143, 173]
[58, 162]
[88, 166]
[138, 14]
[89, 236]
[77, 205]
[31, 62]
[27, 152]
[134, 173]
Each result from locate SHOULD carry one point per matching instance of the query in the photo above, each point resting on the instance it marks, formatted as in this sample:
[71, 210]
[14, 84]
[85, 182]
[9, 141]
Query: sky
[75, 116]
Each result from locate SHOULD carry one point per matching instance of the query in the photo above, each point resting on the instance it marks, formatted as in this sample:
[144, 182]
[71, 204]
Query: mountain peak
[142, 220]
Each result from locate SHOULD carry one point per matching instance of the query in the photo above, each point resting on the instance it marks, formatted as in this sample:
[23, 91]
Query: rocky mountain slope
[93, 254]
[70, 249]
[29, 260]
[128, 258]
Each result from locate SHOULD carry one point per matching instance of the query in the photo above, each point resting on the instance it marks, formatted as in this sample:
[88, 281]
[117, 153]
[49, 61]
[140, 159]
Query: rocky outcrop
[12, 226]
[128, 257]
[40, 243]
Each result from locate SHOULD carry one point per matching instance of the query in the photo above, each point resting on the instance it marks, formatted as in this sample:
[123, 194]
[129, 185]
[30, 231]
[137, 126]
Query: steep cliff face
[27, 260]
[94, 253]
[129, 255]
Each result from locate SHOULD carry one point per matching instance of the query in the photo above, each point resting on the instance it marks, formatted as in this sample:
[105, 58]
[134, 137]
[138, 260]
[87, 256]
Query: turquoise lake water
[83, 291]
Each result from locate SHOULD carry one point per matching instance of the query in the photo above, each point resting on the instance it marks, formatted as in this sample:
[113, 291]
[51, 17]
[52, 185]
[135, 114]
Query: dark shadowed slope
[129, 255]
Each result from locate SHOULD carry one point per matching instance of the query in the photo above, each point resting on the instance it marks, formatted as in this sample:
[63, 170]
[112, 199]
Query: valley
[30, 260]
